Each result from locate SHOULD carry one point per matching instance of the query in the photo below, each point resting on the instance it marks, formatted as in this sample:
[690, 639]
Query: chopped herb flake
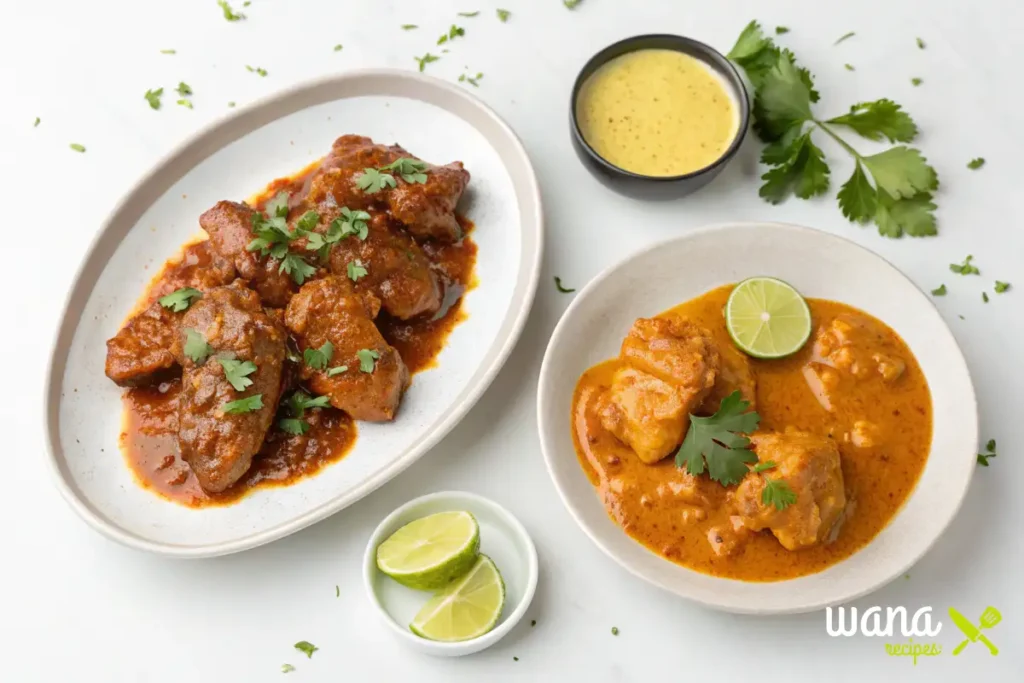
[975, 164]
[153, 97]
[984, 297]
[230, 14]
[920, 43]
[184, 89]
[256, 70]
[35, 124]
[939, 291]
[168, 52]
[287, 668]
[78, 148]
[469, 14]
[338, 47]
[562, 288]
[1001, 286]
[306, 647]
[916, 82]
[571, 4]
[409, 27]
[615, 630]
[845, 36]
[503, 15]
[367, 359]
[965, 268]
[426, 59]
[849, 67]
[779, 30]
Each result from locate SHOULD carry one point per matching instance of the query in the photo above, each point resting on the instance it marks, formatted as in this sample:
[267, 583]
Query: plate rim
[547, 448]
[206, 141]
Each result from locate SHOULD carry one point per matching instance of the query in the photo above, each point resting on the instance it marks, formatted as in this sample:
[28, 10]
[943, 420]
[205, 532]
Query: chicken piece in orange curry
[839, 433]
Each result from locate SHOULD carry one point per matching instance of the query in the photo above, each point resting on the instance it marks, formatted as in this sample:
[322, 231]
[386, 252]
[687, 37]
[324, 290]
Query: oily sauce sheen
[878, 479]
[150, 425]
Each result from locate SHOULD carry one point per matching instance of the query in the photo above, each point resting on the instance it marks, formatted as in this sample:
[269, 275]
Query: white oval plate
[231, 160]
[502, 538]
[819, 265]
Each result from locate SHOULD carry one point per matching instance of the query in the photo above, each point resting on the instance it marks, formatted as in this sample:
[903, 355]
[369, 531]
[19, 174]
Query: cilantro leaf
[878, 119]
[503, 15]
[901, 172]
[965, 268]
[356, 270]
[777, 492]
[195, 347]
[367, 359]
[229, 14]
[1001, 286]
[857, 198]
[805, 174]
[319, 358]
[562, 288]
[180, 299]
[372, 181]
[337, 370]
[939, 291]
[293, 426]
[306, 647]
[184, 89]
[751, 42]
[153, 97]
[782, 101]
[237, 372]
[975, 164]
[307, 222]
[411, 170]
[912, 215]
[719, 441]
[277, 206]
[297, 267]
[244, 405]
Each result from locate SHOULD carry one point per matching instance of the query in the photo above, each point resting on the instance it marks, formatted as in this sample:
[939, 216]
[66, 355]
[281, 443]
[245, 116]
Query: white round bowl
[502, 538]
[819, 265]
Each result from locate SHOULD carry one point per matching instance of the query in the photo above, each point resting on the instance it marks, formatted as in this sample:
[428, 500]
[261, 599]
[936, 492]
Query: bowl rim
[195, 148]
[388, 526]
[549, 448]
[717, 59]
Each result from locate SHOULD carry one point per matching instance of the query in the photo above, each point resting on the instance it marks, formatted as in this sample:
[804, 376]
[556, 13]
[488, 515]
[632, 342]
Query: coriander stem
[838, 139]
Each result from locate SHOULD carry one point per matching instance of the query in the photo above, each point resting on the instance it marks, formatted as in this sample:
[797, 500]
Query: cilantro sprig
[373, 180]
[893, 188]
[990, 452]
[180, 299]
[273, 237]
[349, 223]
[720, 442]
[776, 492]
[237, 372]
[295, 407]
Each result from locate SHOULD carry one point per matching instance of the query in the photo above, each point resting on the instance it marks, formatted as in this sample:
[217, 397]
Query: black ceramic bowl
[659, 187]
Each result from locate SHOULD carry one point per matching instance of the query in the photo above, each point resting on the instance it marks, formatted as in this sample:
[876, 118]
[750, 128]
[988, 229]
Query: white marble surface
[75, 607]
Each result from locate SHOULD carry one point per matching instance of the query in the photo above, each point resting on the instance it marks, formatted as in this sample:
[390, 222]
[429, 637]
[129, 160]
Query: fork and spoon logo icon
[989, 618]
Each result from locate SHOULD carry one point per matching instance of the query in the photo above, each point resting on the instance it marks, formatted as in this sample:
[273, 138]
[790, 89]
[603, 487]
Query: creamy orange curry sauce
[854, 390]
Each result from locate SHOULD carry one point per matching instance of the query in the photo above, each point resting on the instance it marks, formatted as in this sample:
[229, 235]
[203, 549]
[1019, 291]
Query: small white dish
[231, 159]
[819, 265]
[502, 538]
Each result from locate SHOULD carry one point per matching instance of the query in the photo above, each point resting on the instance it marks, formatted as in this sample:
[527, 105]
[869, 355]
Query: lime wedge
[468, 608]
[429, 553]
[767, 318]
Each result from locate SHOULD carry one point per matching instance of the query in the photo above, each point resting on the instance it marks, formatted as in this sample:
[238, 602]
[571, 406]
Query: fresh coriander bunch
[893, 188]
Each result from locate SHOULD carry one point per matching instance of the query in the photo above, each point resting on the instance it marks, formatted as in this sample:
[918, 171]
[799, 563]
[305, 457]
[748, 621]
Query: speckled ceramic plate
[818, 265]
[231, 160]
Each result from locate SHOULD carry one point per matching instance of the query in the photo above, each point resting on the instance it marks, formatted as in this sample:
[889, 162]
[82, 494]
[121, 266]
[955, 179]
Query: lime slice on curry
[429, 553]
[767, 318]
[466, 609]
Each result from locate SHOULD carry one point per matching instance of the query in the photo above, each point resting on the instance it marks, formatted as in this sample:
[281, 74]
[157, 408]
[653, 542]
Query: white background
[76, 607]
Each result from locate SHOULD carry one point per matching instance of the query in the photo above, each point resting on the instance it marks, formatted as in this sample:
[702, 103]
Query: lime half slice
[767, 318]
[468, 608]
[431, 552]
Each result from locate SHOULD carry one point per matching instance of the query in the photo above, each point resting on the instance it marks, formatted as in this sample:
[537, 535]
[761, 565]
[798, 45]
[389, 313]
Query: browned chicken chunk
[141, 351]
[735, 374]
[217, 436]
[426, 209]
[229, 225]
[364, 375]
[670, 366]
[397, 270]
[810, 465]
